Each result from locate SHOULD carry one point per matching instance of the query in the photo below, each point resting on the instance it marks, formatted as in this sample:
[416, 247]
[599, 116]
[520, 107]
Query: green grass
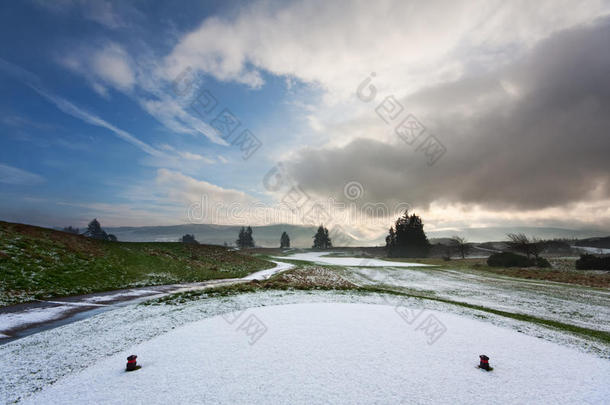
[39, 263]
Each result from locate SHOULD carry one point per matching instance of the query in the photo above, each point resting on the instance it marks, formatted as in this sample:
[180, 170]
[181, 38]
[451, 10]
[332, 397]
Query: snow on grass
[592, 250]
[571, 304]
[320, 258]
[341, 354]
[31, 364]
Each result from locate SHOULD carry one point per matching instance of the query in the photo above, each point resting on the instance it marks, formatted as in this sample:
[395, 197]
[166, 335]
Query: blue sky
[67, 164]
[91, 125]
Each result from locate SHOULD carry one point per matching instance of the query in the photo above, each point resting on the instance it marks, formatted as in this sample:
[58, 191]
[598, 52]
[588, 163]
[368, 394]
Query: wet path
[22, 320]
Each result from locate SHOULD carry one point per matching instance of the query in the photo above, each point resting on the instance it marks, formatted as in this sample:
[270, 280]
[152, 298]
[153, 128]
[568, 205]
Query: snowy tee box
[340, 354]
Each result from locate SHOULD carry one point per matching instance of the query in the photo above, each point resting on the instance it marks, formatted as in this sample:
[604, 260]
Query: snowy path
[25, 319]
[340, 354]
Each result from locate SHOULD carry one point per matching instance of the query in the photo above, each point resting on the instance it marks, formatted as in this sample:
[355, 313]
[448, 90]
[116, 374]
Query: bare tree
[521, 243]
[461, 245]
[537, 246]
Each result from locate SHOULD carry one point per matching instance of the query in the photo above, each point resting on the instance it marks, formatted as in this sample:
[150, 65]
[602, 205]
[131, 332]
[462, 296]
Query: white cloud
[69, 108]
[14, 175]
[174, 117]
[184, 188]
[105, 65]
[336, 44]
[333, 46]
[104, 13]
[195, 156]
[112, 64]
[187, 155]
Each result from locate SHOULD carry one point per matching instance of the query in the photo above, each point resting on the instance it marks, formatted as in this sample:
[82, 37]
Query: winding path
[17, 321]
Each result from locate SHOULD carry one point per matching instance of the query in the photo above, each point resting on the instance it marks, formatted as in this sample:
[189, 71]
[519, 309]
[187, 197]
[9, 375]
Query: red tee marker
[131, 363]
[484, 364]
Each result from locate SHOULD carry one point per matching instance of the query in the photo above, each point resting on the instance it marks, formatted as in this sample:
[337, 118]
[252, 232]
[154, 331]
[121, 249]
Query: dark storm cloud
[533, 134]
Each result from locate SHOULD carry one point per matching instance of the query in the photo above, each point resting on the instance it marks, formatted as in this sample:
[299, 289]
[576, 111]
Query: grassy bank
[39, 263]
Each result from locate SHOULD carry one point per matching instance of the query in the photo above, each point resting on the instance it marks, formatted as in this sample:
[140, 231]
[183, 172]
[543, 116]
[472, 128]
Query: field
[505, 313]
[39, 263]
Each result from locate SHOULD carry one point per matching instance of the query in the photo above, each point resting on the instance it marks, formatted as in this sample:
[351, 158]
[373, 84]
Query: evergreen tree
[390, 240]
[190, 239]
[407, 238]
[240, 242]
[321, 240]
[249, 238]
[95, 231]
[284, 240]
[245, 239]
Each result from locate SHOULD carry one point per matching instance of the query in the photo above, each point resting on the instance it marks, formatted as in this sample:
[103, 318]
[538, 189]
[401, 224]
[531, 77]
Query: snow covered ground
[592, 250]
[321, 258]
[571, 304]
[254, 347]
[340, 354]
[39, 361]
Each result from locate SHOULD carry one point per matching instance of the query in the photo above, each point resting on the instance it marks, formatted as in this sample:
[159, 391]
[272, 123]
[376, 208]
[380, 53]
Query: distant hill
[595, 242]
[301, 236]
[499, 233]
[264, 236]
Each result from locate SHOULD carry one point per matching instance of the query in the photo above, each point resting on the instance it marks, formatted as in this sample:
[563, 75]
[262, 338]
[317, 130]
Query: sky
[471, 114]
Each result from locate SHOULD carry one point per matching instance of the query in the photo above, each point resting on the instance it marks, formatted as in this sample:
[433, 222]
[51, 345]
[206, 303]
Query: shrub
[592, 262]
[542, 262]
[509, 259]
